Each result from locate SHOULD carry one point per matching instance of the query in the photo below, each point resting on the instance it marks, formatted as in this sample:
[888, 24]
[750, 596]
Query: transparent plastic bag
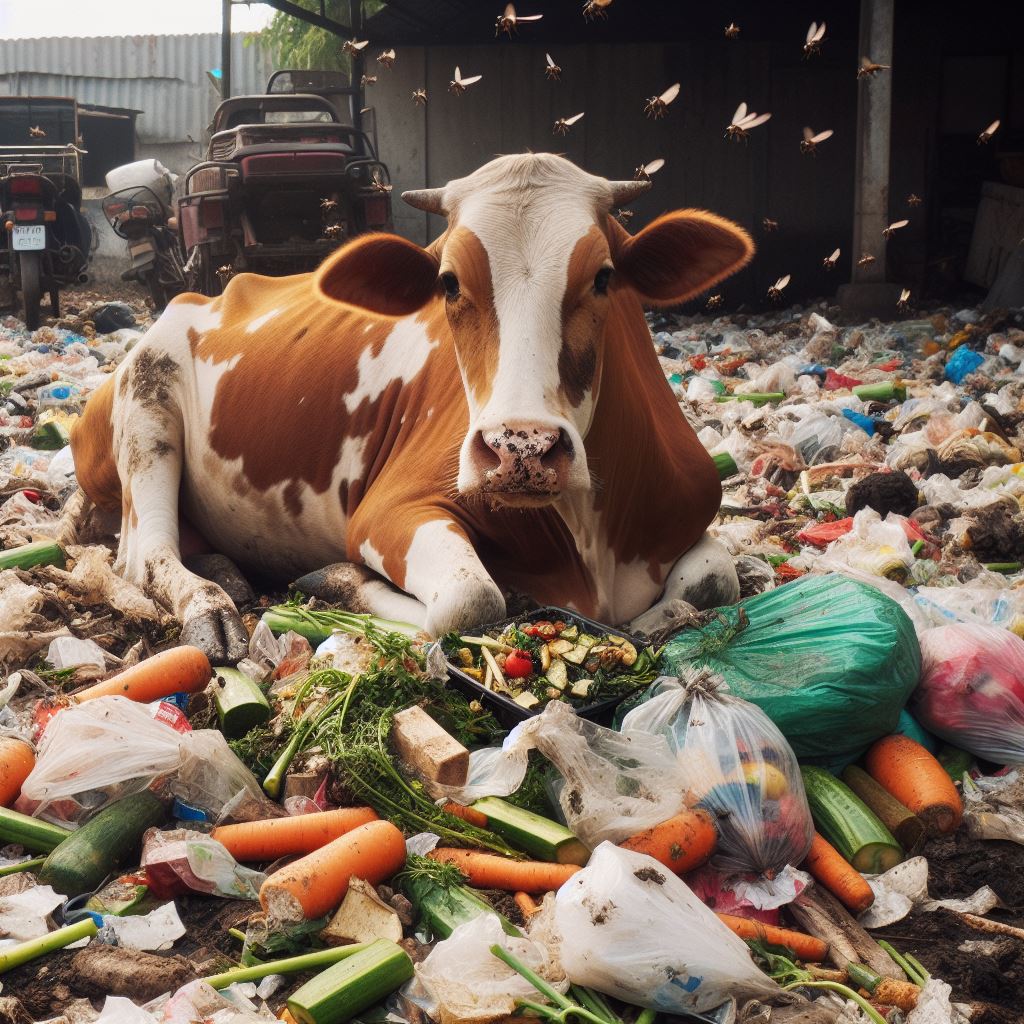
[614, 918]
[971, 691]
[181, 860]
[736, 765]
[612, 785]
[467, 983]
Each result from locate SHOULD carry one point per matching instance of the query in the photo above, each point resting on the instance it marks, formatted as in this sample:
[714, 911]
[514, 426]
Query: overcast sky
[25, 19]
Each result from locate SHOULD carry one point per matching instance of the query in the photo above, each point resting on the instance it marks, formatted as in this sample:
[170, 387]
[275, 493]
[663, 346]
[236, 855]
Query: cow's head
[527, 269]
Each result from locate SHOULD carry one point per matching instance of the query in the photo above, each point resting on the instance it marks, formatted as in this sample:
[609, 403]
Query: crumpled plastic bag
[18, 601]
[152, 932]
[612, 785]
[23, 915]
[613, 918]
[971, 691]
[934, 1006]
[737, 766]
[874, 545]
[181, 860]
[199, 1001]
[467, 984]
[994, 807]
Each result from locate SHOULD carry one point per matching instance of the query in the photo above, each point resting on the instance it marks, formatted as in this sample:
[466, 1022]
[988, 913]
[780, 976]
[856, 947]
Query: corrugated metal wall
[163, 76]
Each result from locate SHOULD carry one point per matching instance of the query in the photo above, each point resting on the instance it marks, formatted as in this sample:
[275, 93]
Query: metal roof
[164, 77]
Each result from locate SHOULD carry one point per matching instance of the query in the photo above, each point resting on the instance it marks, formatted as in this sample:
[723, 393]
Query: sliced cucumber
[543, 838]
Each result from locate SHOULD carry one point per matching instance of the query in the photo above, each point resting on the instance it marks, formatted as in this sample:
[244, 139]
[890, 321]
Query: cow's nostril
[486, 451]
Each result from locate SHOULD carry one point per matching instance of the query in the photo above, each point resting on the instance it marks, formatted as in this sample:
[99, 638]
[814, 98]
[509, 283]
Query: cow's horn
[429, 199]
[624, 192]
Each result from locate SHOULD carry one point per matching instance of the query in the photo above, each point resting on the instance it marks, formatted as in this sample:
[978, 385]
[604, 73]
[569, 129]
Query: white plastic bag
[468, 984]
[635, 931]
[736, 765]
[612, 785]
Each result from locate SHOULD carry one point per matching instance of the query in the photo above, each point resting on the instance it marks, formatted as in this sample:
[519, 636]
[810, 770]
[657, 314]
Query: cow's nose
[530, 457]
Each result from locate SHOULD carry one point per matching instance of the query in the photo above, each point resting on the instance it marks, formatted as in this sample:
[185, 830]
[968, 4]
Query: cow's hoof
[339, 583]
[218, 633]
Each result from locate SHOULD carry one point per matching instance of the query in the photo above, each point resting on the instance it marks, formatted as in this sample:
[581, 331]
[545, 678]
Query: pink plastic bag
[972, 690]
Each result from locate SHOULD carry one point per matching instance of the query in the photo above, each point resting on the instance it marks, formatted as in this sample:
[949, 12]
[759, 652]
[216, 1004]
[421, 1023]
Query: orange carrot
[682, 843]
[806, 947]
[488, 871]
[527, 905]
[279, 837]
[841, 879]
[17, 759]
[467, 814]
[906, 770]
[179, 670]
[317, 883]
[286, 1016]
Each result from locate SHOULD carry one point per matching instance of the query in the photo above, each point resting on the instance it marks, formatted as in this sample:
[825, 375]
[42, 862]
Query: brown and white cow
[481, 415]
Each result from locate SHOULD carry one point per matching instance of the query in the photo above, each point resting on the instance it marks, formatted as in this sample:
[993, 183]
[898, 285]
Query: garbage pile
[805, 807]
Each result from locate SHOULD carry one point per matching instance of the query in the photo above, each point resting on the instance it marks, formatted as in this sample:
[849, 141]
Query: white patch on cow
[255, 325]
[371, 557]
[180, 316]
[208, 376]
[404, 353]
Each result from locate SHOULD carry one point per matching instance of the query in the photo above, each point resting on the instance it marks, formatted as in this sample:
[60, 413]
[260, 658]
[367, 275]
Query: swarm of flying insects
[815, 37]
[769, 225]
[508, 21]
[353, 47]
[829, 262]
[644, 171]
[987, 134]
[386, 59]
[458, 84]
[419, 97]
[742, 122]
[368, 80]
[811, 141]
[714, 301]
[868, 68]
[894, 226]
[378, 183]
[596, 9]
[36, 132]
[551, 70]
[865, 259]
[914, 199]
[655, 106]
[904, 302]
[563, 124]
[775, 292]
[732, 31]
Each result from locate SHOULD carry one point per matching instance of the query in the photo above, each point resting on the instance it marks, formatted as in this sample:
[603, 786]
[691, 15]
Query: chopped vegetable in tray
[532, 663]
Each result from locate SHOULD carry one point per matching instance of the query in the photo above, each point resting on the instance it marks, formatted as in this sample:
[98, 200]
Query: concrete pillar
[225, 50]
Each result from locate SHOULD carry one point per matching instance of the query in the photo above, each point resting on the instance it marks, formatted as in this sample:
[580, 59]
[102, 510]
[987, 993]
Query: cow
[421, 431]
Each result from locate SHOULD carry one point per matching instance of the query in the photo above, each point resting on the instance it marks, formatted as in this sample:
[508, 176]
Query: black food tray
[507, 711]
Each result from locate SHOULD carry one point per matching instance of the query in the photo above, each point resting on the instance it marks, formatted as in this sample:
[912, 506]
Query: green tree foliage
[297, 44]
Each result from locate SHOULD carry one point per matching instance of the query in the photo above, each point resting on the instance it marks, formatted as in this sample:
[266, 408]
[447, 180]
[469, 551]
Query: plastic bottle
[62, 394]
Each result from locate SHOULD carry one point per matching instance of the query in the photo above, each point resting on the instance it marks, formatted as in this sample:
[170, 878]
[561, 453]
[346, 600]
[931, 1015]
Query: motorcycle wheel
[54, 302]
[31, 287]
[156, 290]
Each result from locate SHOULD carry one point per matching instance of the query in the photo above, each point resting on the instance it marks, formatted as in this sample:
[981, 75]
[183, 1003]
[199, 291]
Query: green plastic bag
[831, 662]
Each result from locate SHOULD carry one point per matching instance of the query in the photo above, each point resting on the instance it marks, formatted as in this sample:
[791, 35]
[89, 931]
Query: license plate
[30, 236]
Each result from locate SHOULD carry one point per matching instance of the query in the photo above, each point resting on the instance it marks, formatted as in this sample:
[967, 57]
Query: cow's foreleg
[149, 462]
[705, 577]
[358, 589]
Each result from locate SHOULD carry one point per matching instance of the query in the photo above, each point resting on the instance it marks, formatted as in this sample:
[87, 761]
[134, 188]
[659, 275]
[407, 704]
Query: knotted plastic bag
[736, 765]
[634, 930]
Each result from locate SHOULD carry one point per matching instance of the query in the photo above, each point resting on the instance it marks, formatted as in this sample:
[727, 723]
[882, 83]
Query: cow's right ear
[383, 274]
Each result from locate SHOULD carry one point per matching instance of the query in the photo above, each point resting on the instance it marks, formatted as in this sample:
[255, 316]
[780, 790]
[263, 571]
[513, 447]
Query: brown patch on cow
[154, 374]
[194, 337]
[472, 316]
[92, 444]
[582, 312]
[128, 513]
[162, 448]
[122, 385]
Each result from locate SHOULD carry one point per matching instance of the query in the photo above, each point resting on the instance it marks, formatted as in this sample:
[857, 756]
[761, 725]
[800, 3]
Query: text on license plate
[31, 236]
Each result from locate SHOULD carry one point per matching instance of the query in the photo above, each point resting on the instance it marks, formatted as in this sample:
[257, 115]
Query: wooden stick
[983, 924]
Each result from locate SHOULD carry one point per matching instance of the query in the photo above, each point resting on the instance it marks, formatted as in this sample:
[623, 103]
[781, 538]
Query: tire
[156, 290]
[30, 271]
[55, 302]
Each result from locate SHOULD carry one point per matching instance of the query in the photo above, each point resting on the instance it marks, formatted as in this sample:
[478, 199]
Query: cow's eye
[601, 280]
[450, 283]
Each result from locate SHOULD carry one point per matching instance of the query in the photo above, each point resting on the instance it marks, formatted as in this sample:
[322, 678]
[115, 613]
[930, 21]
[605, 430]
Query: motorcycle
[46, 240]
[139, 209]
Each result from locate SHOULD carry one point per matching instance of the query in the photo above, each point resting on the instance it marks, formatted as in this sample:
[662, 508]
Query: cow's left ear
[679, 255]
[383, 274]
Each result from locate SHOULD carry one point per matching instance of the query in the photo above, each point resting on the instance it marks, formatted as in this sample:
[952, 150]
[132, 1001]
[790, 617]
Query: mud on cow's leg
[358, 589]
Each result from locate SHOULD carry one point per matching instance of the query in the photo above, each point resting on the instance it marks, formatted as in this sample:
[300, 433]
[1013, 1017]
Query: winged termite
[596, 9]
[904, 302]
[732, 30]
[894, 226]
[353, 47]
[714, 301]
[742, 122]
[865, 259]
[655, 106]
[225, 273]
[419, 97]
[815, 37]
[508, 21]
[769, 225]
[378, 183]
[988, 132]
[811, 141]
[914, 200]
[644, 171]
[458, 84]
[563, 124]
[368, 80]
[868, 68]
[386, 59]
[36, 132]
[829, 262]
[775, 292]
[624, 217]
[551, 69]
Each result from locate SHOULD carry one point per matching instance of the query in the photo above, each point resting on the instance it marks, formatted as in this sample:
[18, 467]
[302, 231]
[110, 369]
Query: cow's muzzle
[527, 460]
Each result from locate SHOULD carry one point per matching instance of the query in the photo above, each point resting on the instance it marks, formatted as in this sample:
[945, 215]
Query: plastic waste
[994, 807]
[181, 860]
[737, 766]
[23, 915]
[63, 395]
[157, 930]
[71, 652]
[831, 661]
[613, 917]
[971, 691]
[60, 474]
[961, 363]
